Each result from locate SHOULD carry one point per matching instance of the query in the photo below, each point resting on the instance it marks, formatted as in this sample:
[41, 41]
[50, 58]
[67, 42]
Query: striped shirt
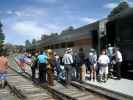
[67, 59]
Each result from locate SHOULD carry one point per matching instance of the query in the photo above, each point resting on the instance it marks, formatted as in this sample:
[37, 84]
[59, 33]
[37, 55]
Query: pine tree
[120, 8]
[2, 37]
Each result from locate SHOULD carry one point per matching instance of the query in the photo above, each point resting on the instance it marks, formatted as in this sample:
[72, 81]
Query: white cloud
[29, 12]
[9, 12]
[110, 5]
[88, 20]
[17, 31]
[18, 13]
[130, 3]
[53, 27]
[34, 29]
[28, 28]
[46, 1]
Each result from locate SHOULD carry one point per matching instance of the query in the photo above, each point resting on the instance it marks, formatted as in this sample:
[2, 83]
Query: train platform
[121, 87]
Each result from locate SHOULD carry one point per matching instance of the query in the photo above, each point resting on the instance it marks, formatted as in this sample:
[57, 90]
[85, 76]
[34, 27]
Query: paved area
[123, 86]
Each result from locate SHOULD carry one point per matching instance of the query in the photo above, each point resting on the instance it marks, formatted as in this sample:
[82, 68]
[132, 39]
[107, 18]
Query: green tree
[34, 41]
[2, 36]
[120, 8]
[9, 48]
[34, 44]
[28, 45]
[67, 30]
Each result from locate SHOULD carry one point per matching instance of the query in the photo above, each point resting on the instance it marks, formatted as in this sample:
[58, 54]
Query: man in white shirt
[110, 50]
[103, 62]
[118, 58]
[68, 61]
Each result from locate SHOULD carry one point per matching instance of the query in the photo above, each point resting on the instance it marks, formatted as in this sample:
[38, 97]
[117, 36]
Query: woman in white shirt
[103, 62]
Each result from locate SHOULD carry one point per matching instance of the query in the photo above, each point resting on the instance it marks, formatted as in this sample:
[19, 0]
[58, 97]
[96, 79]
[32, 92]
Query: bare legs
[93, 72]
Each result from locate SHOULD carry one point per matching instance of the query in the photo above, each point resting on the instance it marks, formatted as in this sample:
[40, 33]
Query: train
[116, 30]
[119, 31]
[85, 37]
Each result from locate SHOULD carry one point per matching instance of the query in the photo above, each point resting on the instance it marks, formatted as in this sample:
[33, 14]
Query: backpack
[92, 58]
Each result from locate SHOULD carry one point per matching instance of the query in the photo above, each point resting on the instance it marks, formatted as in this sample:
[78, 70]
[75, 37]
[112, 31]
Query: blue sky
[28, 19]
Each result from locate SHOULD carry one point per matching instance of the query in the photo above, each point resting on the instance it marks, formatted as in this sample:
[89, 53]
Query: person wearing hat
[68, 61]
[110, 55]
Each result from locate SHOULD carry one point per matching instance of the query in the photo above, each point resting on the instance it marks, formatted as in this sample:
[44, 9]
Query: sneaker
[118, 78]
[105, 81]
[91, 80]
[95, 80]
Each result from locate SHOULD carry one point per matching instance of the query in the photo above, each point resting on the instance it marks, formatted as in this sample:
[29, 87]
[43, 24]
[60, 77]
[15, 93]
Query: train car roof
[82, 32]
[124, 14]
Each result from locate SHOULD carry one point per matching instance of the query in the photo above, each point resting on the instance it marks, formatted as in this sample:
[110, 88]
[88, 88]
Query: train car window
[45, 48]
[63, 45]
[48, 47]
[52, 46]
[94, 34]
[70, 44]
[57, 46]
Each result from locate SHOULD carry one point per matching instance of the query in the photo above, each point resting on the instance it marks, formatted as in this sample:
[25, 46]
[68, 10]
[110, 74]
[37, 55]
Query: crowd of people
[107, 65]
[73, 65]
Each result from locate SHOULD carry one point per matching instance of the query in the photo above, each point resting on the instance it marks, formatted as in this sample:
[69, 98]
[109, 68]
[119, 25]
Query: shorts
[103, 70]
[93, 66]
[3, 76]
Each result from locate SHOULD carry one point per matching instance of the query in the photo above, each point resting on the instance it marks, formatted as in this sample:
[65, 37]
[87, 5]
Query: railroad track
[7, 94]
[25, 89]
[73, 92]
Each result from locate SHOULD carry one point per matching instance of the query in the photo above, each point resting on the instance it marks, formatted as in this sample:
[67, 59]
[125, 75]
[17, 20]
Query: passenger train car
[85, 37]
